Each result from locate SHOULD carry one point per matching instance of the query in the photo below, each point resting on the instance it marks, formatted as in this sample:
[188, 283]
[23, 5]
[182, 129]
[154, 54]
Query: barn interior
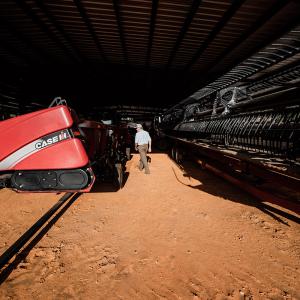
[149, 54]
[216, 83]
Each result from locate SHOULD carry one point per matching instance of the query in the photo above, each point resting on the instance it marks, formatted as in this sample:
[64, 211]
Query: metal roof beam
[89, 25]
[14, 52]
[61, 30]
[188, 20]
[33, 16]
[120, 28]
[226, 17]
[24, 40]
[152, 29]
[258, 24]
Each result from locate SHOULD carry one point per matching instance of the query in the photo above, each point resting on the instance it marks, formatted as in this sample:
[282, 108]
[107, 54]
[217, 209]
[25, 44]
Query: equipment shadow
[107, 186]
[18, 245]
[214, 185]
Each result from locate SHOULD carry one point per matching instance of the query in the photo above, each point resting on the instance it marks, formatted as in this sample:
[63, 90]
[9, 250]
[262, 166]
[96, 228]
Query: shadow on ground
[217, 186]
[108, 186]
[22, 252]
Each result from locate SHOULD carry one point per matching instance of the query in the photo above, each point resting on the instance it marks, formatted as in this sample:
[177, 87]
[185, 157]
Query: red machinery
[50, 150]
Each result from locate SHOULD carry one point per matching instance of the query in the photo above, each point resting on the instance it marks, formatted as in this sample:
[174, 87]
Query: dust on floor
[178, 233]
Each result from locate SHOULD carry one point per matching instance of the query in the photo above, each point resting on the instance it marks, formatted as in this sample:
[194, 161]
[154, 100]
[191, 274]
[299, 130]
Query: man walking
[142, 140]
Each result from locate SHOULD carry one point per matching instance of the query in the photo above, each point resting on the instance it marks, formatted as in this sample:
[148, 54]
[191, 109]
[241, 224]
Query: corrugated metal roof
[168, 48]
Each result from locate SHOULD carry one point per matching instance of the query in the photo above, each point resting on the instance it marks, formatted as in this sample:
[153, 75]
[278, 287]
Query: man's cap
[139, 126]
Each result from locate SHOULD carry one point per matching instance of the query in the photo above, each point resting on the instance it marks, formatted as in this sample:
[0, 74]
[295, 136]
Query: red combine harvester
[52, 151]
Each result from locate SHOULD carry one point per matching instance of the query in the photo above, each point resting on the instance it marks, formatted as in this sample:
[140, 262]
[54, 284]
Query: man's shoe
[147, 172]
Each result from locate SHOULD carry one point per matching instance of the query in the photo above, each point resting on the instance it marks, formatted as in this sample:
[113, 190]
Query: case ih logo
[52, 139]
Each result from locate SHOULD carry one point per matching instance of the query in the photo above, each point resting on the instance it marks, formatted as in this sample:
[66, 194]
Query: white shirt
[142, 137]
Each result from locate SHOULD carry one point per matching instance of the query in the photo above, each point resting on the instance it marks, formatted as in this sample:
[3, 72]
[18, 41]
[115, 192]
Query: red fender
[68, 154]
[21, 130]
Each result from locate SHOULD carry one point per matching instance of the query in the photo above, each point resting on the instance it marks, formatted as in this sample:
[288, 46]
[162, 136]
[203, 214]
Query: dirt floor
[178, 233]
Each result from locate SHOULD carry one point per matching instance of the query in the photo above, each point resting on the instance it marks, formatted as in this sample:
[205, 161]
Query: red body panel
[69, 154]
[19, 131]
